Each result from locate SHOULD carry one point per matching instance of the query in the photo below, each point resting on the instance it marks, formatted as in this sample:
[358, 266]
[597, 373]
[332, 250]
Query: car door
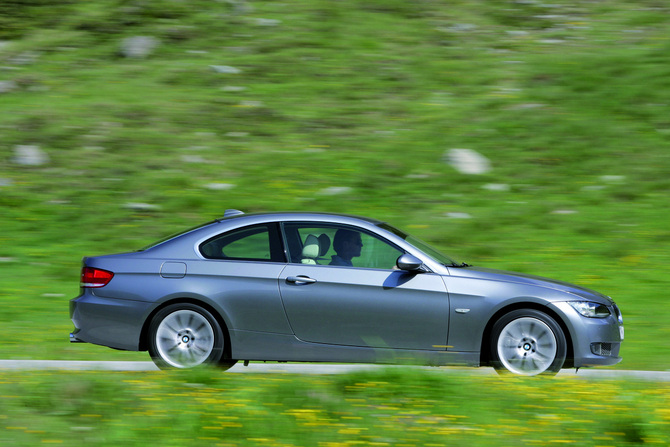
[239, 273]
[367, 303]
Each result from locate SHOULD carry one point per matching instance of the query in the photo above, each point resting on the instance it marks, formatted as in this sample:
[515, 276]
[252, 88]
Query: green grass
[363, 94]
[388, 407]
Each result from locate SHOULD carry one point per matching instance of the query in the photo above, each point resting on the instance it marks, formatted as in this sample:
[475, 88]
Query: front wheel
[527, 342]
[186, 336]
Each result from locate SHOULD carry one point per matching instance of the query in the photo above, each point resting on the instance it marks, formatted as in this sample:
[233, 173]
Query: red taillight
[92, 277]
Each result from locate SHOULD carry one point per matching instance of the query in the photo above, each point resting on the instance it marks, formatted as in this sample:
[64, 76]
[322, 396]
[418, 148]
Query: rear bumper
[107, 321]
[74, 339]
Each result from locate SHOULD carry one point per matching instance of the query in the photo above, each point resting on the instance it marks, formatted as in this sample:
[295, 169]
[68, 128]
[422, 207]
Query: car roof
[237, 218]
[294, 216]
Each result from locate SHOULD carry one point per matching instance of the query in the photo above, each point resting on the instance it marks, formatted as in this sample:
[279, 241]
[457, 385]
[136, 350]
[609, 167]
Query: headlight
[591, 309]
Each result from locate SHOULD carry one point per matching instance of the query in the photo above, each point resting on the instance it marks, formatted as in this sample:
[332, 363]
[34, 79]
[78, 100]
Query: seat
[310, 250]
[324, 244]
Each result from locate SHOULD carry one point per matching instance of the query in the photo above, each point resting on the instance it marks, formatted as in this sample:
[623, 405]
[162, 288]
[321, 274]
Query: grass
[388, 407]
[569, 102]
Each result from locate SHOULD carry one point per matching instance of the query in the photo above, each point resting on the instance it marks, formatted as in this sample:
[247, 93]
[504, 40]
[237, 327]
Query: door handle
[300, 279]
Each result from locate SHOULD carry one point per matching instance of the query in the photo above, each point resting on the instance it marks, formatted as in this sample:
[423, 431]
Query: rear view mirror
[409, 263]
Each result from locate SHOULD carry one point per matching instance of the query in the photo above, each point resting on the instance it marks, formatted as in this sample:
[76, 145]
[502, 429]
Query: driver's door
[366, 304]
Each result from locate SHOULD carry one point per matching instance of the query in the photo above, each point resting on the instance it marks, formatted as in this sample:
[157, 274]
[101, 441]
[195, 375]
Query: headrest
[324, 244]
[311, 247]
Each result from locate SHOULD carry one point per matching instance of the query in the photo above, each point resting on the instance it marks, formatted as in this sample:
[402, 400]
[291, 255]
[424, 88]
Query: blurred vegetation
[387, 407]
[345, 107]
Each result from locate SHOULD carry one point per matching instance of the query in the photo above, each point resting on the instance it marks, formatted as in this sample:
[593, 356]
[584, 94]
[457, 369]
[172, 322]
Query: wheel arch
[144, 334]
[484, 353]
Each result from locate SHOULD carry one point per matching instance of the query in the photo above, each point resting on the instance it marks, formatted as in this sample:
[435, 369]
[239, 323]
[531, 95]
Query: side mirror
[409, 263]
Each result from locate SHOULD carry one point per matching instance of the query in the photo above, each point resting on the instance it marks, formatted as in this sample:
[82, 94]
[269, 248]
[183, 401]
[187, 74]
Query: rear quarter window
[254, 243]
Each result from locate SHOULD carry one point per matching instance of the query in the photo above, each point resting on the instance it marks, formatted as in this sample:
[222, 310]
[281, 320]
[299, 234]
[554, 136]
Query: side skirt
[247, 345]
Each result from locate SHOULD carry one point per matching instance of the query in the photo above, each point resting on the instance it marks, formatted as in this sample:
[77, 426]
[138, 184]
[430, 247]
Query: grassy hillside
[388, 407]
[345, 106]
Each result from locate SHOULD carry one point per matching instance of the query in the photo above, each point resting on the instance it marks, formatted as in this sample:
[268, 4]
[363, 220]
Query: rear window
[172, 236]
[254, 243]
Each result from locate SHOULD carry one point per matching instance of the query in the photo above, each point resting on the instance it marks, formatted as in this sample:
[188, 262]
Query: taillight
[92, 277]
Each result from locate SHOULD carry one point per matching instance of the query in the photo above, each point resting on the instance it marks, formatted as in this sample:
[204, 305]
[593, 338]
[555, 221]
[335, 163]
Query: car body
[316, 287]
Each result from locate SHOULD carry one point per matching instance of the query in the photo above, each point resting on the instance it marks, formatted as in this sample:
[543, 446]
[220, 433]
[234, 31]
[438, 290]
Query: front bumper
[595, 341]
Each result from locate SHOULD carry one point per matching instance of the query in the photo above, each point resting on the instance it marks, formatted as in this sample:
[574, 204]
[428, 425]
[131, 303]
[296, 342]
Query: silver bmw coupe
[312, 287]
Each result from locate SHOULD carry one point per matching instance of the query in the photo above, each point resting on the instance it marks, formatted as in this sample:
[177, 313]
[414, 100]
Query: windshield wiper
[462, 264]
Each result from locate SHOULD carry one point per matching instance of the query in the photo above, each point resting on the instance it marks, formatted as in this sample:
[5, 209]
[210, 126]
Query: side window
[255, 243]
[339, 246]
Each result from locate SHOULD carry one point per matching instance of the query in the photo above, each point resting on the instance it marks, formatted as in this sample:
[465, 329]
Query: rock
[138, 47]
[526, 106]
[564, 212]
[267, 22]
[5, 182]
[467, 161]
[192, 159]
[225, 69]
[25, 58]
[496, 187]
[8, 86]
[462, 28]
[30, 155]
[135, 206]
[612, 178]
[251, 104]
[220, 186]
[458, 216]
[233, 88]
[335, 190]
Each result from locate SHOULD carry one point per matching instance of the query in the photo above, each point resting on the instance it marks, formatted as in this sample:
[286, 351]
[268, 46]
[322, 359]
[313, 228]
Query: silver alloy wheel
[527, 346]
[184, 338]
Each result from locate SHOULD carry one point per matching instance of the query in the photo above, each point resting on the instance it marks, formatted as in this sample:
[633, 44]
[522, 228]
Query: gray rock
[462, 27]
[8, 86]
[467, 161]
[233, 88]
[267, 22]
[496, 187]
[526, 106]
[30, 155]
[5, 182]
[138, 47]
[136, 206]
[335, 190]
[458, 215]
[193, 159]
[220, 186]
[251, 104]
[612, 178]
[25, 58]
[225, 69]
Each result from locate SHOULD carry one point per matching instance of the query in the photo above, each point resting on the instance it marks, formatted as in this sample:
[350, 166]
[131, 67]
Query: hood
[522, 278]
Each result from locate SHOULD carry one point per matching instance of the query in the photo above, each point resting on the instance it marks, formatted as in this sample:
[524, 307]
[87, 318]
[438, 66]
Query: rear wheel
[527, 342]
[186, 336]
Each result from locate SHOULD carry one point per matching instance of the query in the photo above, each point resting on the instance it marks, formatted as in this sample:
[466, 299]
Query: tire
[527, 342]
[186, 336]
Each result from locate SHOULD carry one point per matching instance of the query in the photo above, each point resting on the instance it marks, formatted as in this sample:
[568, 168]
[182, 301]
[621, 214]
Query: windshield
[427, 249]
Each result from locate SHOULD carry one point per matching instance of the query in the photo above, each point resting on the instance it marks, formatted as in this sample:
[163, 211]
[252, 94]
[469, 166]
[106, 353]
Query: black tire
[527, 342]
[186, 336]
